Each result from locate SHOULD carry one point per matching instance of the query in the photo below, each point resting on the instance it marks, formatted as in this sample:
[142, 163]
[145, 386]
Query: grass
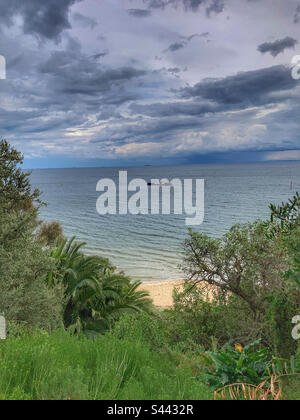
[291, 388]
[64, 367]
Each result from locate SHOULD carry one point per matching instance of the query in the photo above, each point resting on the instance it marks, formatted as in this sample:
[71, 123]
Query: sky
[138, 82]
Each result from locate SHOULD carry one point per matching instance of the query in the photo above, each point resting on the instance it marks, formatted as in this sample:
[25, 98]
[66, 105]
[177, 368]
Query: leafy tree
[245, 263]
[287, 224]
[248, 267]
[15, 188]
[24, 264]
[287, 215]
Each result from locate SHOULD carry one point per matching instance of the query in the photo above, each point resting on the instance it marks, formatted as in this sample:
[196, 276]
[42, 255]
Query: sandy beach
[162, 293]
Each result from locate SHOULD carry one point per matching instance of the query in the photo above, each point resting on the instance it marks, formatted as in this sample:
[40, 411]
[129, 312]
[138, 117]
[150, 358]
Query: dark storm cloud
[44, 18]
[62, 98]
[249, 88]
[244, 90]
[79, 77]
[142, 13]
[277, 47]
[73, 72]
[65, 88]
[244, 103]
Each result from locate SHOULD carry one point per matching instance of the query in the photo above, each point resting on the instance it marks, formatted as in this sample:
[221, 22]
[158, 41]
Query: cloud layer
[149, 81]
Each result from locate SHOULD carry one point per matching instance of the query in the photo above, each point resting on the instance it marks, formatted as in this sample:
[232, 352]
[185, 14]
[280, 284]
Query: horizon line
[167, 165]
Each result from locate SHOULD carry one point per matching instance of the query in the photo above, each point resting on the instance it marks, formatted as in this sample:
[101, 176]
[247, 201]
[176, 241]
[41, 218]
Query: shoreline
[162, 292]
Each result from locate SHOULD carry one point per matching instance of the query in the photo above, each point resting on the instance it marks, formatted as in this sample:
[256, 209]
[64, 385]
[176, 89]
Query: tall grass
[64, 367]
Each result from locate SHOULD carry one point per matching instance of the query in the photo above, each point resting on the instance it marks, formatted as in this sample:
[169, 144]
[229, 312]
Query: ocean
[149, 247]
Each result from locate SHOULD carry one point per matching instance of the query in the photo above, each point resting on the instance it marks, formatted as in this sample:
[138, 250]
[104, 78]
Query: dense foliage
[95, 294]
[249, 272]
[15, 188]
[24, 262]
[24, 266]
[238, 365]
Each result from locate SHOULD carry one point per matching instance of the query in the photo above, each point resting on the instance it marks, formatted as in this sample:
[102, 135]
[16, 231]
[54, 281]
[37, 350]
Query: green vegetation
[61, 366]
[15, 188]
[238, 365]
[250, 271]
[95, 294]
[79, 329]
[24, 266]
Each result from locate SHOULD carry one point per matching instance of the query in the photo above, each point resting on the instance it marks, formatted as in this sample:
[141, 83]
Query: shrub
[237, 365]
[196, 320]
[51, 232]
[142, 328]
[24, 264]
[248, 269]
[25, 297]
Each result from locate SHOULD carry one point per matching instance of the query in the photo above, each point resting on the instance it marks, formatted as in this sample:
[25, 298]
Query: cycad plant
[95, 294]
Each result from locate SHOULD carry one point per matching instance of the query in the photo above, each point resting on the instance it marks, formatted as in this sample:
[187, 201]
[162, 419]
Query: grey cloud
[244, 90]
[184, 41]
[216, 6]
[174, 70]
[85, 21]
[66, 88]
[249, 88]
[277, 47]
[73, 72]
[212, 6]
[212, 105]
[297, 14]
[176, 46]
[100, 55]
[189, 38]
[148, 130]
[44, 18]
[173, 109]
[142, 13]
[80, 76]
[188, 4]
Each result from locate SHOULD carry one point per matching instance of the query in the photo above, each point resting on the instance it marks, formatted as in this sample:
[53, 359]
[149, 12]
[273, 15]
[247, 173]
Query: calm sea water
[149, 247]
